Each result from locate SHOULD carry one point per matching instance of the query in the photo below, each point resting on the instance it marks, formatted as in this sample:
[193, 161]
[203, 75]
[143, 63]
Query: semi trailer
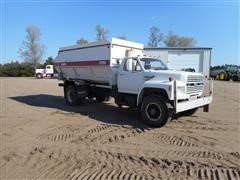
[118, 69]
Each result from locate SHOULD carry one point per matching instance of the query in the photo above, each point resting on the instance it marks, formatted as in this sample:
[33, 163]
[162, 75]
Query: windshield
[154, 64]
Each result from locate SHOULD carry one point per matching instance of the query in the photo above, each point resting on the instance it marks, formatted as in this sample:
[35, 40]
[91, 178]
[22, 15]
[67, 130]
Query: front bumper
[194, 103]
[191, 104]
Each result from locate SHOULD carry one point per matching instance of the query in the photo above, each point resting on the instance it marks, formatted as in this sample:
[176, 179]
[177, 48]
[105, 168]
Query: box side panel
[87, 64]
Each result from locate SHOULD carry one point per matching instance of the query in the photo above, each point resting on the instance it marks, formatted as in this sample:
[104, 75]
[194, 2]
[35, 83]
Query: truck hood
[165, 74]
[39, 71]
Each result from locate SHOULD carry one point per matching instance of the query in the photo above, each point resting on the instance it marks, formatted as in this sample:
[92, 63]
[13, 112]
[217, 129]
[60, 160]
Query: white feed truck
[119, 69]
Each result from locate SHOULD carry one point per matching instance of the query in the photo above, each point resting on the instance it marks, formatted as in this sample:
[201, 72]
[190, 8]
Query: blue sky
[212, 23]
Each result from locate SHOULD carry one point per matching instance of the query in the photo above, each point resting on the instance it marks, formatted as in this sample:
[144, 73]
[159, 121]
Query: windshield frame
[153, 59]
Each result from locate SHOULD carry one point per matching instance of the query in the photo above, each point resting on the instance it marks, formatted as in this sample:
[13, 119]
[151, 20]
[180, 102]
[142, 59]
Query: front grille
[194, 84]
[194, 78]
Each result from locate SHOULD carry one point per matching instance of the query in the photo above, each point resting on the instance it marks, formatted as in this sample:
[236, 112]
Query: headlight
[181, 89]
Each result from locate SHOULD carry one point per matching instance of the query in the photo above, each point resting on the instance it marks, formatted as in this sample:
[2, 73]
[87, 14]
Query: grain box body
[95, 62]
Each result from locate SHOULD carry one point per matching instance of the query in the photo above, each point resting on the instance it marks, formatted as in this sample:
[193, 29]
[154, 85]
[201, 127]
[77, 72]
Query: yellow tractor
[228, 72]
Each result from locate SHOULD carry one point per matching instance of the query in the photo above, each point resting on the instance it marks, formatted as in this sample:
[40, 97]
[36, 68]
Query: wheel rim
[221, 76]
[153, 111]
[70, 95]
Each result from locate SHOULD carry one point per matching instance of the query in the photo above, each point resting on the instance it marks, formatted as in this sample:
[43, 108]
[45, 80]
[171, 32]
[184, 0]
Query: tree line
[24, 69]
[156, 38]
[222, 66]
[32, 50]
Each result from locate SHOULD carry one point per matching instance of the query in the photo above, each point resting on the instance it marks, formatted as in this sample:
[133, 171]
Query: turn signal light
[171, 78]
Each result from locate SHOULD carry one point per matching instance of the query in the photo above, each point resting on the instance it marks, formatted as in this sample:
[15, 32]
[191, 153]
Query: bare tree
[82, 41]
[155, 36]
[123, 37]
[102, 32]
[32, 51]
[173, 40]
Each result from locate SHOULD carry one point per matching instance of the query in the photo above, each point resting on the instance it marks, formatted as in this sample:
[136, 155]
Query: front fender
[155, 86]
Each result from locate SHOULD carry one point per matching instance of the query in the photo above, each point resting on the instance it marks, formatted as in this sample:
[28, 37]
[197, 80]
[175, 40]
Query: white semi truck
[119, 69]
[47, 72]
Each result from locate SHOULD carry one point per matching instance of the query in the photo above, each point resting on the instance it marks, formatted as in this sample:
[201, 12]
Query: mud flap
[206, 108]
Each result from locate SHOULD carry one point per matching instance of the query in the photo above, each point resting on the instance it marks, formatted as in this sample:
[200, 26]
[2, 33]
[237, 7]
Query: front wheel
[235, 78]
[154, 111]
[39, 75]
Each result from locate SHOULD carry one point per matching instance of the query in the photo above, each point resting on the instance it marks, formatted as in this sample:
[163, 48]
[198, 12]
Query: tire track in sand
[64, 133]
[104, 164]
[164, 139]
[171, 167]
[106, 134]
[102, 133]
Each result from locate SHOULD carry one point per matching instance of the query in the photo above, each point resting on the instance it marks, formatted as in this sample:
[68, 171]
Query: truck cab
[153, 73]
[148, 84]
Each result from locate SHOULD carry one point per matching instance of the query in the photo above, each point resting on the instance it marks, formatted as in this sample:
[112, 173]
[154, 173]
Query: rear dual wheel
[71, 96]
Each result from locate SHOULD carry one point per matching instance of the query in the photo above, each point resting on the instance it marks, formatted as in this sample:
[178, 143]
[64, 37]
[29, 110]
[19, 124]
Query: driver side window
[126, 66]
[135, 66]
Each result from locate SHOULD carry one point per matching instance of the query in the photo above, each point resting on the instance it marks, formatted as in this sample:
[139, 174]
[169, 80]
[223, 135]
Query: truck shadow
[104, 112]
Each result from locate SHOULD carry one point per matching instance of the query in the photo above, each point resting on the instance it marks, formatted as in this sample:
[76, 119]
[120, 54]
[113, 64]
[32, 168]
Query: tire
[101, 98]
[234, 78]
[154, 111]
[189, 112]
[39, 76]
[71, 96]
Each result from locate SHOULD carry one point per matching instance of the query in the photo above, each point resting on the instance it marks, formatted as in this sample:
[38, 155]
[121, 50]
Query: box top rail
[114, 41]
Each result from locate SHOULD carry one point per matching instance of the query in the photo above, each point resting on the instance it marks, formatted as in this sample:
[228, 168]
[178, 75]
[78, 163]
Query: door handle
[121, 74]
[148, 77]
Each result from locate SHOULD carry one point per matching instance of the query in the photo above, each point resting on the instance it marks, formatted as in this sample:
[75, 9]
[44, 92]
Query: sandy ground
[43, 138]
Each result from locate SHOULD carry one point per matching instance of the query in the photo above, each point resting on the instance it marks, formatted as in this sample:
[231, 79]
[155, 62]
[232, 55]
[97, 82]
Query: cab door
[49, 69]
[130, 77]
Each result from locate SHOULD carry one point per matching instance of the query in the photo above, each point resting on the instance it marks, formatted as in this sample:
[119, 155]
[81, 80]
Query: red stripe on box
[85, 63]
